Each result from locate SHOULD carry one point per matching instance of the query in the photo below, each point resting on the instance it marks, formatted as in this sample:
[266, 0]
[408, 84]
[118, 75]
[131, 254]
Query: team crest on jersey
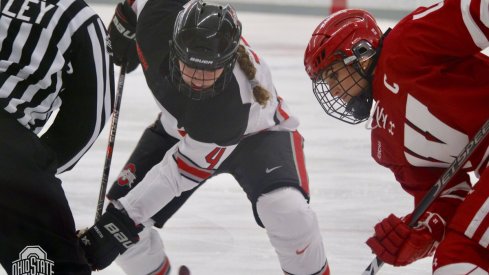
[127, 175]
[33, 260]
[380, 119]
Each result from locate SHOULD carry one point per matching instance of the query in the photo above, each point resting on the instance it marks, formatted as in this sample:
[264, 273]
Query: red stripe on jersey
[244, 41]
[300, 161]
[182, 133]
[326, 271]
[193, 170]
[142, 59]
[281, 111]
[164, 268]
[255, 56]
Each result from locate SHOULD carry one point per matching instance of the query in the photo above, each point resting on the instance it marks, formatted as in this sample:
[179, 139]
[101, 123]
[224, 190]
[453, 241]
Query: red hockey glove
[395, 243]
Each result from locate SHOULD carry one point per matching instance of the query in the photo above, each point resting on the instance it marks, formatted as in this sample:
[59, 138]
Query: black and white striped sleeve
[87, 95]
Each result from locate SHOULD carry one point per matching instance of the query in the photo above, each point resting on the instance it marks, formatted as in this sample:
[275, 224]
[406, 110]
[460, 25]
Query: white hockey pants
[293, 230]
[146, 257]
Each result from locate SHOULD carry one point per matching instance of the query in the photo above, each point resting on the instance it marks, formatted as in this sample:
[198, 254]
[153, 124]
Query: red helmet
[336, 37]
[342, 51]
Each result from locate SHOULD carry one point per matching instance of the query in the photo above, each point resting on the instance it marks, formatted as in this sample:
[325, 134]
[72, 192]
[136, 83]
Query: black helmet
[205, 37]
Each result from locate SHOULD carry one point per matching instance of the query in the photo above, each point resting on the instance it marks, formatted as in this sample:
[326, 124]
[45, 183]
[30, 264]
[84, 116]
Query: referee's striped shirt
[53, 56]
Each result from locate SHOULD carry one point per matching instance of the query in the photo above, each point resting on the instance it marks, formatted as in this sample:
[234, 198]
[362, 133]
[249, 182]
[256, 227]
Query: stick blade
[373, 267]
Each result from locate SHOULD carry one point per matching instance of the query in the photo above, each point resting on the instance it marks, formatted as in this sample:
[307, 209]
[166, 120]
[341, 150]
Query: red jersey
[431, 87]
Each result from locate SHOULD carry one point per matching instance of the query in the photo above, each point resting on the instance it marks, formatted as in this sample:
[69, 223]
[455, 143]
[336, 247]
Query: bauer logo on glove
[127, 33]
[118, 235]
[112, 235]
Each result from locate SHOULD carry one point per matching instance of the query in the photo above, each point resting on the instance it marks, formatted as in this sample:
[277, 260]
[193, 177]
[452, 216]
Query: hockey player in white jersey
[220, 113]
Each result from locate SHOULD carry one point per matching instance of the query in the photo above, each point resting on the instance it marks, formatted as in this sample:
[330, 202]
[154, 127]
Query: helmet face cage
[347, 42]
[345, 106]
[205, 37]
[220, 82]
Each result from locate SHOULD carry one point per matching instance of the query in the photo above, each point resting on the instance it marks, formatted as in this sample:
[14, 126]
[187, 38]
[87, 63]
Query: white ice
[215, 232]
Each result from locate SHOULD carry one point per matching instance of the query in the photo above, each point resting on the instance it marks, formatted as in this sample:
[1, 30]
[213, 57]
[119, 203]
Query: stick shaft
[110, 146]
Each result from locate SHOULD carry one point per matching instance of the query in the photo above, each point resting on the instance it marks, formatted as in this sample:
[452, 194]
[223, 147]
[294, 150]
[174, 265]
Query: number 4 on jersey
[214, 156]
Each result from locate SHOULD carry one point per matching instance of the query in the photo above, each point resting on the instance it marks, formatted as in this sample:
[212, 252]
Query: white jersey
[208, 131]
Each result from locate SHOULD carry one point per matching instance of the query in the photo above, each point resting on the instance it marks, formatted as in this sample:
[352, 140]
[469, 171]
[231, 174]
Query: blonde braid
[261, 94]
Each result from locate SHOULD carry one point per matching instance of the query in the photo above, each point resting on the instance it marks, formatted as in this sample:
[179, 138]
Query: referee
[52, 57]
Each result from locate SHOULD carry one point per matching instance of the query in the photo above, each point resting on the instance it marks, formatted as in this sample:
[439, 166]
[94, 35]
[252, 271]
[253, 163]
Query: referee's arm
[87, 96]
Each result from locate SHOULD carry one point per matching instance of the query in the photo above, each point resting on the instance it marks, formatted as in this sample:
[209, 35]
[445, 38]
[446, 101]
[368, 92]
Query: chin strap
[361, 105]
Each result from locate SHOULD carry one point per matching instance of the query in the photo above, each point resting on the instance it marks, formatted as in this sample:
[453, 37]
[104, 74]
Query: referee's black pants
[37, 230]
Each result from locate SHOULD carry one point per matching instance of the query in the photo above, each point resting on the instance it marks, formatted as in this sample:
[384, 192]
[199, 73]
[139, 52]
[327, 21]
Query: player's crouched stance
[290, 223]
[220, 114]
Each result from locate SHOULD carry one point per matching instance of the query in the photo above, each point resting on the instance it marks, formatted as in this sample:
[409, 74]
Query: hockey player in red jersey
[220, 113]
[430, 85]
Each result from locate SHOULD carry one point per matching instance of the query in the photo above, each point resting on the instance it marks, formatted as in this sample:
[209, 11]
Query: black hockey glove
[112, 235]
[122, 35]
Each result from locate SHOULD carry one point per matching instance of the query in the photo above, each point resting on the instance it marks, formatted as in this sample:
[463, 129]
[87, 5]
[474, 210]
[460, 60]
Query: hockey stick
[437, 188]
[110, 146]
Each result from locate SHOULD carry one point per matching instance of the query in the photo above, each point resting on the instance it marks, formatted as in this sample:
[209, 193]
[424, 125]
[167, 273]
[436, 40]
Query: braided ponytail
[261, 94]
